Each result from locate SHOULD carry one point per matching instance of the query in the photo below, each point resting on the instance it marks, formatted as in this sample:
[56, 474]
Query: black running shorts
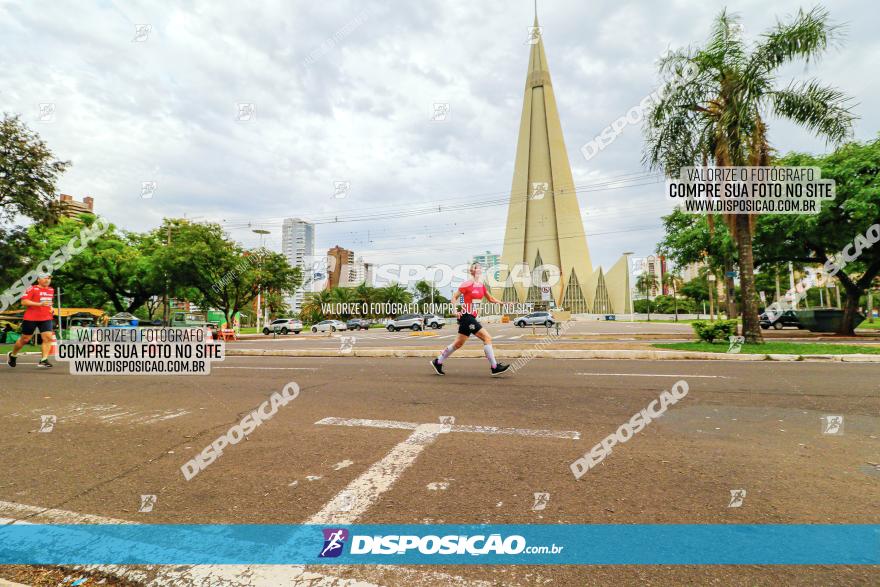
[28, 326]
[468, 325]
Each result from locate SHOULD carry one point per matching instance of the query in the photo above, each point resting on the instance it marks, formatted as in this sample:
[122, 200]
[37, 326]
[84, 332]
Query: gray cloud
[165, 109]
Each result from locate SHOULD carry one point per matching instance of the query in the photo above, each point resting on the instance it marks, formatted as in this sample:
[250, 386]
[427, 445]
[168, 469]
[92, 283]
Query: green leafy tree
[14, 245]
[817, 238]
[118, 268]
[721, 111]
[425, 293]
[206, 267]
[28, 172]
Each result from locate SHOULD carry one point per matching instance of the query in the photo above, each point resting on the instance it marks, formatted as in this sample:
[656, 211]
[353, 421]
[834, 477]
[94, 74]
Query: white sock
[445, 354]
[490, 354]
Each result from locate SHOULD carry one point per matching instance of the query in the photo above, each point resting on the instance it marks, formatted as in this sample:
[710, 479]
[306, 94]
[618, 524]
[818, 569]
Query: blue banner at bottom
[637, 544]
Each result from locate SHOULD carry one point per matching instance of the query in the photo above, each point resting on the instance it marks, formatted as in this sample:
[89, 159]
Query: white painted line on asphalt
[226, 575]
[571, 434]
[657, 375]
[359, 495]
[369, 423]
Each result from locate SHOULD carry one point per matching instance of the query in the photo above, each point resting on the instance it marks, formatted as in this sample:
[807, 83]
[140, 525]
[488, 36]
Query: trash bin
[824, 319]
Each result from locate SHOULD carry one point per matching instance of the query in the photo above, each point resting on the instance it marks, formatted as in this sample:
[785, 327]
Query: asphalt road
[752, 426]
[606, 334]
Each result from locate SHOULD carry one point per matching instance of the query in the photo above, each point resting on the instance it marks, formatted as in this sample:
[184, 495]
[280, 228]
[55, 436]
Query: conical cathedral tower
[544, 220]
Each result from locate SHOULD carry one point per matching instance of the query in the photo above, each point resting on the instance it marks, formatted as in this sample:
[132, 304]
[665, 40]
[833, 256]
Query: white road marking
[569, 434]
[658, 375]
[342, 464]
[364, 491]
[226, 575]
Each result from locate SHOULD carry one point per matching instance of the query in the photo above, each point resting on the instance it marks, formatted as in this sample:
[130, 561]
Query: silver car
[283, 326]
[410, 321]
[331, 325]
[535, 318]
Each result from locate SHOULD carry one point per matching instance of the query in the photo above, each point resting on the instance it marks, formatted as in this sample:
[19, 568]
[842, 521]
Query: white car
[331, 325]
[283, 326]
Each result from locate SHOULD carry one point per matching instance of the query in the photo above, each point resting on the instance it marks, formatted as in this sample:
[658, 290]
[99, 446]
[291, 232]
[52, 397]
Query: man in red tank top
[469, 295]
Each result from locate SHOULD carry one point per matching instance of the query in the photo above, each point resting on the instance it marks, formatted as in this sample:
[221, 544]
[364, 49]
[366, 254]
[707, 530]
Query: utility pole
[166, 309]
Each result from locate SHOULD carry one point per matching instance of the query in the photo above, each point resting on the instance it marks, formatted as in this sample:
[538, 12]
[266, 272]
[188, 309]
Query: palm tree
[672, 281]
[645, 283]
[312, 307]
[365, 295]
[722, 111]
[396, 294]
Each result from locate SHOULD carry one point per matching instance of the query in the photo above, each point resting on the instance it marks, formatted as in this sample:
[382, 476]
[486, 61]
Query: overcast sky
[344, 91]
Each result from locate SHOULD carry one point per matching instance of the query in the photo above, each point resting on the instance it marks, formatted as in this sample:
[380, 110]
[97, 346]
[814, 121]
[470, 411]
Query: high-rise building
[71, 208]
[340, 265]
[298, 246]
[544, 226]
[346, 270]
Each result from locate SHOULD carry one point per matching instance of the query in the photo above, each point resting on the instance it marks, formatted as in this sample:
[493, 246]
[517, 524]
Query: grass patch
[875, 325]
[776, 348]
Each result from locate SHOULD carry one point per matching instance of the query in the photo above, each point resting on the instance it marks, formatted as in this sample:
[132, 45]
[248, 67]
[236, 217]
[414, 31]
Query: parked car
[780, 321]
[535, 318]
[331, 325]
[434, 321]
[283, 326]
[411, 321]
[357, 324]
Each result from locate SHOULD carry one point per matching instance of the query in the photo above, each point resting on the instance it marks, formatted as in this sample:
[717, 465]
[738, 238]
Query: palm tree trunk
[751, 328]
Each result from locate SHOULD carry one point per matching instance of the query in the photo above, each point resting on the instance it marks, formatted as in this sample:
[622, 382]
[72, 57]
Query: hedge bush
[710, 331]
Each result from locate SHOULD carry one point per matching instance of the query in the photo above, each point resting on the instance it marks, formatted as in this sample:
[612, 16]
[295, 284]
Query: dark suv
[357, 324]
[780, 321]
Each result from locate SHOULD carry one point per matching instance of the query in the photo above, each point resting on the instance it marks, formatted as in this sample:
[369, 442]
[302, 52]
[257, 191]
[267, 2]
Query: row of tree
[134, 271]
[805, 240]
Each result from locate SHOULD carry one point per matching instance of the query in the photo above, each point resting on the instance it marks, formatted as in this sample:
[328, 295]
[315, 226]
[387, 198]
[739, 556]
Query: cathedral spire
[544, 218]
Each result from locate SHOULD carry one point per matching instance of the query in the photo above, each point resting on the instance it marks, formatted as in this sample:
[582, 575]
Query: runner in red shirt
[37, 301]
[469, 295]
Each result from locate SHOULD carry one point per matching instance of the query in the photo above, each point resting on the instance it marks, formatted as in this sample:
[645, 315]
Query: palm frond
[825, 110]
[806, 36]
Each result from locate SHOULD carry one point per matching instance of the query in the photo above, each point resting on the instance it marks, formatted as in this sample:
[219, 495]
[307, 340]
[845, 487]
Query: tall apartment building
[71, 208]
[298, 246]
[340, 267]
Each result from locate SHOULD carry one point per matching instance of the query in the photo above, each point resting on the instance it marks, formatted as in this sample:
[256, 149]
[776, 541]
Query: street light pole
[262, 233]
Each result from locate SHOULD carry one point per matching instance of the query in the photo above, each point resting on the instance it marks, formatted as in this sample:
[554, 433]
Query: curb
[555, 354]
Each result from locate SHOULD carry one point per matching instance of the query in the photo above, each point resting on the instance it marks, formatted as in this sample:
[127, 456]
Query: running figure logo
[541, 501]
[334, 541]
[736, 343]
[47, 423]
[147, 503]
[832, 425]
[346, 344]
[737, 496]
